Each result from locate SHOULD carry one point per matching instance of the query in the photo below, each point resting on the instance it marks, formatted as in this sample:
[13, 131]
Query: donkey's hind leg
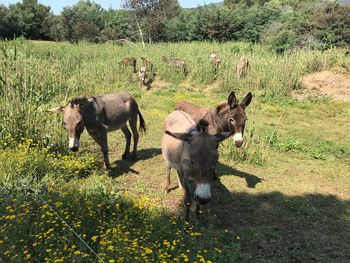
[135, 134]
[127, 135]
[167, 180]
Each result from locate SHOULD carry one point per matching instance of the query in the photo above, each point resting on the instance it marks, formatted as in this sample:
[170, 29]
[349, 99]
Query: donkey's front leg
[101, 138]
[197, 209]
[188, 201]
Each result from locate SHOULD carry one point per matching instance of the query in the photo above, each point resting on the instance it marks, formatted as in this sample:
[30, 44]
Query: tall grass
[38, 75]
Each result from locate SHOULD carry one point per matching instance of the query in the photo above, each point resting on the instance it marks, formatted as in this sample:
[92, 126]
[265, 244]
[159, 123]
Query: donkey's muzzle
[74, 149]
[238, 143]
[203, 201]
[238, 139]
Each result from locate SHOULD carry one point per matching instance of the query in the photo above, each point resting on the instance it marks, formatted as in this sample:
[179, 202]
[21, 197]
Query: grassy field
[284, 197]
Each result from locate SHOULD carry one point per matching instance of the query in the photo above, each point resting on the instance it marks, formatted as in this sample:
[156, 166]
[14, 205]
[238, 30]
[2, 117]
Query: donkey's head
[145, 62]
[237, 117]
[73, 120]
[199, 160]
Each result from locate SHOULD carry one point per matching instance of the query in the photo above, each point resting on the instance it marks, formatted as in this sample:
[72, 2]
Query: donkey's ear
[232, 99]
[181, 136]
[59, 109]
[246, 101]
[80, 106]
[222, 136]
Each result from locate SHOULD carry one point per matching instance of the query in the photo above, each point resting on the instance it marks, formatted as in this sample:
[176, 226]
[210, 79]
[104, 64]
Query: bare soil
[334, 84]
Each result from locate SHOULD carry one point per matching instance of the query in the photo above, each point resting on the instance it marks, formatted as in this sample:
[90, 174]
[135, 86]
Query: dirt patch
[325, 83]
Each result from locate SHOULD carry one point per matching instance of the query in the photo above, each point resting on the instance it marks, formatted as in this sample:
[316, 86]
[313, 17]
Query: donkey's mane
[78, 100]
[202, 125]
[222, 106]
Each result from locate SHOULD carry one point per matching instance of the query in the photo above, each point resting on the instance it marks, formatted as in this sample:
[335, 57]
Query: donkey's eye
[232, 121]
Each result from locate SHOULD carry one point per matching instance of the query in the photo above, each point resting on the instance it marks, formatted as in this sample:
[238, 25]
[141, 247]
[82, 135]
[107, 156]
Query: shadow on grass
[273, 227]
[121, 167]
[148, 84]
[251, 179]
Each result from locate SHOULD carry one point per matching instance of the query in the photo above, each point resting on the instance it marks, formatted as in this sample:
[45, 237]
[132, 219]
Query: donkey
[242, 67]
[177, 63]
[226, 117]
[194, 154]
[146, 72]
[131, 61]
[143, 75]
[102, 114]
[215, 62]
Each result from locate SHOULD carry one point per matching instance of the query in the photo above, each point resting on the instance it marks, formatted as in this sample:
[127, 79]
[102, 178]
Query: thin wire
[69, 227]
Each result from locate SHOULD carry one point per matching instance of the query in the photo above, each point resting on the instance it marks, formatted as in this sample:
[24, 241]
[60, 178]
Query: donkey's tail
[185, 70]
[142, 121]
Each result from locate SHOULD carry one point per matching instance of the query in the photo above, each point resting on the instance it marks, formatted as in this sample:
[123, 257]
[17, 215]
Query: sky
[57, 5]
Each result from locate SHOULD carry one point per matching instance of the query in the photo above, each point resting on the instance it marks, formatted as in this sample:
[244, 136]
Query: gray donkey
[102, 114]
[187, 148]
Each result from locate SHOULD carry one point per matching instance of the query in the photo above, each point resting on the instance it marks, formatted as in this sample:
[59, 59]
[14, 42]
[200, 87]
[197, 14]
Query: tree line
[282, 24]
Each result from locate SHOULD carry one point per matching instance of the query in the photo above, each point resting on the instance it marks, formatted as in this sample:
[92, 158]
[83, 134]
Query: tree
[3, 22]
[84, 16]
[332, 24]
[117, 24]
[26, 19]
[152, 15]
[55, 26]
[86, 30]
[181, 27]
[68, 20]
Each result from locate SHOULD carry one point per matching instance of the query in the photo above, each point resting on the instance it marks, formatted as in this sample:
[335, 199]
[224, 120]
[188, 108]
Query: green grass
[283, 197]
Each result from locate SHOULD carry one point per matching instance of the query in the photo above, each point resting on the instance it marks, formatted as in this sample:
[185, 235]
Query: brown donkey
[194, 154]
[102, 114]
[242, 67]
[215, 62]
[226, 117]
[129, 62]
[176, 63]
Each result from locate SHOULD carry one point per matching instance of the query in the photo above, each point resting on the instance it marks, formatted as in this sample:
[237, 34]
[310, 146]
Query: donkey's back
[115, 108]
[195, 111]
[176, 122]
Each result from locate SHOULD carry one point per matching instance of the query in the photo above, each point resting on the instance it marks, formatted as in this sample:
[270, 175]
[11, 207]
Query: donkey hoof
[133, 157]
[125, 156]
[166, 191]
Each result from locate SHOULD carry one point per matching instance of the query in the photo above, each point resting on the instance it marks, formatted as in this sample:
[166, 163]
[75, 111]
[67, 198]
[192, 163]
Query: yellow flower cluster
[129, 228]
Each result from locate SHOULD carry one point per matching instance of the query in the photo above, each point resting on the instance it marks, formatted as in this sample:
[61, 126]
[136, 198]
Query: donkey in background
[242, 67]
[176, 63]
[215, 63]
[131, 61]
[102, 114]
